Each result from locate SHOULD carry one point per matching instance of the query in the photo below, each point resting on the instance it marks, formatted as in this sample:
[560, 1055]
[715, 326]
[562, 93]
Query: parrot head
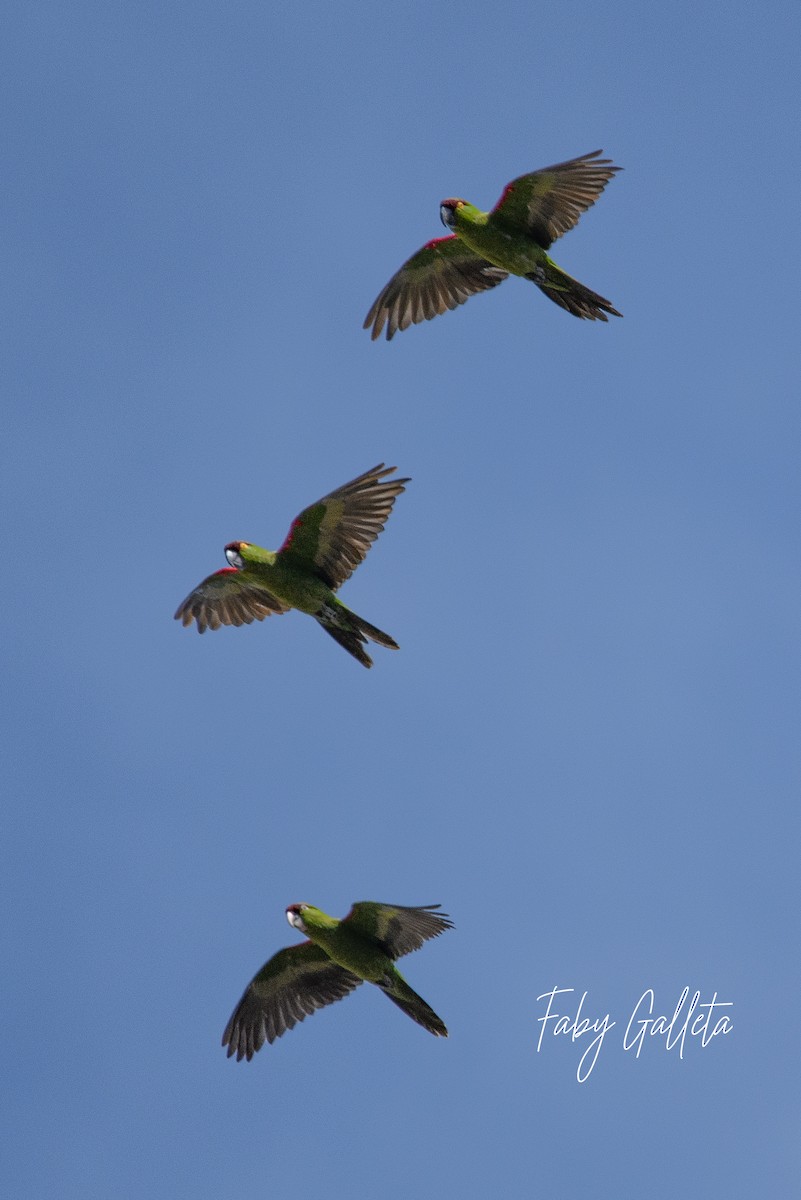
[245, 554]
[447, 212]
[309, 919]
[294, 914]
[233, 552]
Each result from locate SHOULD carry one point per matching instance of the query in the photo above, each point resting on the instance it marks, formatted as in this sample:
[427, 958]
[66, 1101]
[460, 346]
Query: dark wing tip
[377, 316]
[607, 162]
[443, 919]
[187, 612]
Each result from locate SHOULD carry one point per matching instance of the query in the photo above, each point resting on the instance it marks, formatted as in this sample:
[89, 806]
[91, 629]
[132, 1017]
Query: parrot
[325, 544]
[338, 956]
[484, 248]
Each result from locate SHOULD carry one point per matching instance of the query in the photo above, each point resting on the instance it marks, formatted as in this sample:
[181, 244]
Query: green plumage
[486, 247]
[338, 956]
[324, 546]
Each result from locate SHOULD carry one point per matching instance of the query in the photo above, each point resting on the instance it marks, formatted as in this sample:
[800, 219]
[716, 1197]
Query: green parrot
[484, 248]
[338, 956]
[324, 546]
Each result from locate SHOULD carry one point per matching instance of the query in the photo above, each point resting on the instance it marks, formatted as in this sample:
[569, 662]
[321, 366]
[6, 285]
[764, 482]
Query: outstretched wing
[442, 275]
[330, 538]
[228, 597]
[290, 987]
[547, 203]
[398, 930]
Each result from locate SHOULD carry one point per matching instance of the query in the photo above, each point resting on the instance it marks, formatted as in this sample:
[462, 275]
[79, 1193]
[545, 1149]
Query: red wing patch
[507, 191]
[432, 245]
[293, 529]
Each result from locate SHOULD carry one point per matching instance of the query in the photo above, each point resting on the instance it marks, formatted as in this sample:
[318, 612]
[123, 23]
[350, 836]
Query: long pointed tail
[352, 632]
[568, 293]
[413, 1005]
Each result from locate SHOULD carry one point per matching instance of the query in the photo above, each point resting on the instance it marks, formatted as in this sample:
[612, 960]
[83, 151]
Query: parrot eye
[234, 557]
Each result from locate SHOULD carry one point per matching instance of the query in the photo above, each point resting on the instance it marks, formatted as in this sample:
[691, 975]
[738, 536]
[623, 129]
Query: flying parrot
[324, 546]
[338, 956]
[484, 248]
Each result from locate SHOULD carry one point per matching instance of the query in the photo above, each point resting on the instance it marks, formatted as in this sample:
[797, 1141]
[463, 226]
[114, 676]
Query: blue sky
[587, 747]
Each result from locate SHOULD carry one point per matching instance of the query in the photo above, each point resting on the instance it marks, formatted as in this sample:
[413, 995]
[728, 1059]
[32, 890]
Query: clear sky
[587, 747]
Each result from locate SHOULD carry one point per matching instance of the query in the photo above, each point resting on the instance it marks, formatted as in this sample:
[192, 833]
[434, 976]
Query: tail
[399, 992]
[568, 293]
[352, 632]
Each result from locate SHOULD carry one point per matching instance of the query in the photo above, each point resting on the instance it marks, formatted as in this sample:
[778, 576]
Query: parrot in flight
[324, 546]
[338, 956]
[484, 248]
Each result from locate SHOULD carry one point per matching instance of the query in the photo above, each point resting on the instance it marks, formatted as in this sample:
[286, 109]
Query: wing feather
[547, 203]
[440, 276]
[290, 987]
[228, 597]
[398, 929]
[332, 536]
